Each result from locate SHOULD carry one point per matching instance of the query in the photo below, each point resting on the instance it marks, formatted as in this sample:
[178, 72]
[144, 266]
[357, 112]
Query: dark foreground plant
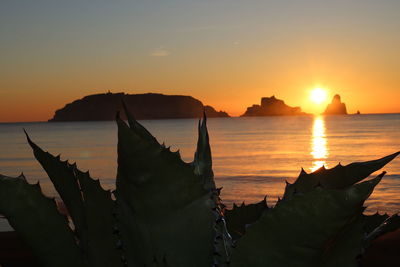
[166, 212]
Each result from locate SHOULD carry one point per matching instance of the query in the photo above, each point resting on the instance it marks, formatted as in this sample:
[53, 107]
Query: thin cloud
[160, 52]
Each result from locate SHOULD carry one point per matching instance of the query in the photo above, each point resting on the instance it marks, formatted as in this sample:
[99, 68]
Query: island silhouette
[102, 107]
[272, 106]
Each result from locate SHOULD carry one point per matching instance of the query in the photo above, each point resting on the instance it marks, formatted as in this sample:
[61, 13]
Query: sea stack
[271, 106]
[336, 107]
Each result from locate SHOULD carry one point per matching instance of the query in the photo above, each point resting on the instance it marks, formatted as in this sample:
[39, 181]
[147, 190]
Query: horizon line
[309, 114]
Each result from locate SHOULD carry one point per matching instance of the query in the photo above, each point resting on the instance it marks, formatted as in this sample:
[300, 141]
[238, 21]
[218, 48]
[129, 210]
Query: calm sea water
[252, 157]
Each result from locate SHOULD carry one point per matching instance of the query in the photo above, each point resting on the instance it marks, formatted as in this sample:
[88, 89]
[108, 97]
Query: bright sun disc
[318, 95]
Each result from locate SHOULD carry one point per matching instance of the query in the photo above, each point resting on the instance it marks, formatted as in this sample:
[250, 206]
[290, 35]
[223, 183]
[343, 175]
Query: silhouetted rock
[211, 112]
[271, 106]
[336, 107]
[102, 107]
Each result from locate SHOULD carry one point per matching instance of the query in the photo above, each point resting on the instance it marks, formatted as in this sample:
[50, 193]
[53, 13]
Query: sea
[252, 156]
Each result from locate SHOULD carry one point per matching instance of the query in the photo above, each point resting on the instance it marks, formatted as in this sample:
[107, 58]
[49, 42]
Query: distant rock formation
[271, 106]
[336, 107]
[211, 112]
[102, 107]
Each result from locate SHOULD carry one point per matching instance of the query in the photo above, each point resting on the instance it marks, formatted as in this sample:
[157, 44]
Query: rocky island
[102, 107]
[336, 107]
[271, 106]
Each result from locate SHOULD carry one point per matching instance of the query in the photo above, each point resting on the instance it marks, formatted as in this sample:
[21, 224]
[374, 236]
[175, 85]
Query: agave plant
[166, 212]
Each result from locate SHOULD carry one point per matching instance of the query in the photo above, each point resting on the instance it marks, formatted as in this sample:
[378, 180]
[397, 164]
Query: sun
[318, 95]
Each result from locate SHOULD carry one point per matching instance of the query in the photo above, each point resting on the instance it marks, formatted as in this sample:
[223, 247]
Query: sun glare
[318, 95]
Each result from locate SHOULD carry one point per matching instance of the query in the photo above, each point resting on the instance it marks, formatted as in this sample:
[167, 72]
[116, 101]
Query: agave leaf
[238, 218]
[160, 263]
[99, 207]
[203, 168]
[373, 221]
[392, 223]
[346, 247]
[164, 211]
[297, 231]
[36, 219]
[62, 176]
[337, 177]
[138, 128]
[202, 157]
[90, 207]
[351, 242]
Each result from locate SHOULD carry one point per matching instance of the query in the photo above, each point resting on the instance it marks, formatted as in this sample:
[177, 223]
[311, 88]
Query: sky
[227, 54]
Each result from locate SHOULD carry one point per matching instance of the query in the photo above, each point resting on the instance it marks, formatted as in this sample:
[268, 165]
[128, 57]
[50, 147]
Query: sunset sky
[227, 54]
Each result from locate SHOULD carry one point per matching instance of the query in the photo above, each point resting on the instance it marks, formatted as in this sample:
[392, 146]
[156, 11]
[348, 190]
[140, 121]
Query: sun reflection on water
[319, 149]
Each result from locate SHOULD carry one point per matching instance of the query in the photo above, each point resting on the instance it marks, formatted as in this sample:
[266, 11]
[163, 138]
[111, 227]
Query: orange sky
[54, 54]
